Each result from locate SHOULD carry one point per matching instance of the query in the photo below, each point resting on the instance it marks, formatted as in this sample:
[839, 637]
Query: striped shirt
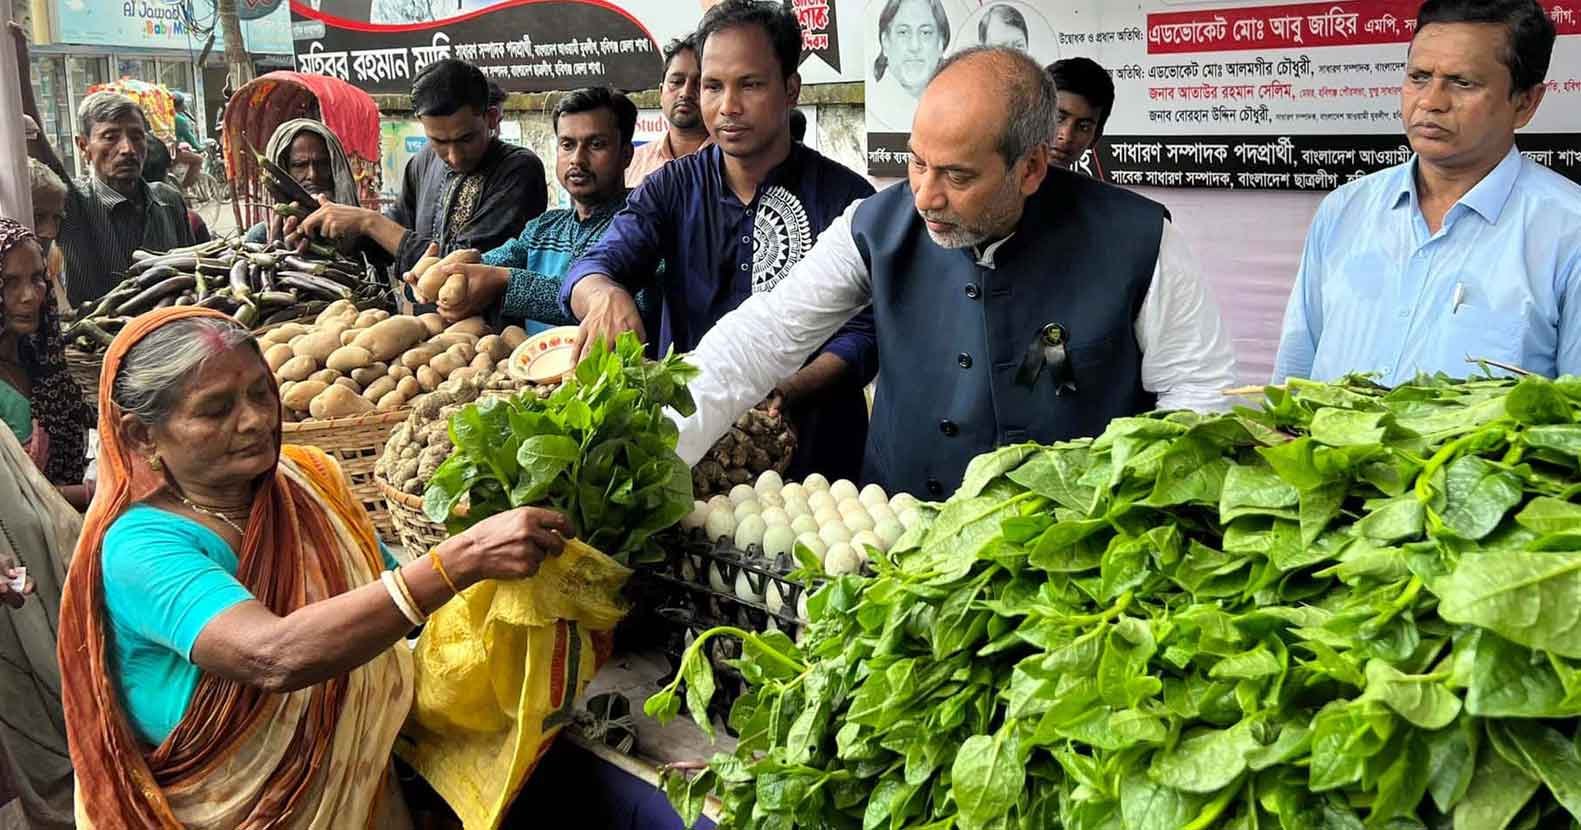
[538, 259]
[103, 228]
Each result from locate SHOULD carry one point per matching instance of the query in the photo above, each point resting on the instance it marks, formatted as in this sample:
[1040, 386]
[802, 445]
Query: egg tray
[675, 603]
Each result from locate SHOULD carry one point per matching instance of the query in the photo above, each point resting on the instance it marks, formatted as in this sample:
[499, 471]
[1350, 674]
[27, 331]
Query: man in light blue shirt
[1469, 249]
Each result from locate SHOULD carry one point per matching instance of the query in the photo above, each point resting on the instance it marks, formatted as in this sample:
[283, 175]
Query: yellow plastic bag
[498, 674]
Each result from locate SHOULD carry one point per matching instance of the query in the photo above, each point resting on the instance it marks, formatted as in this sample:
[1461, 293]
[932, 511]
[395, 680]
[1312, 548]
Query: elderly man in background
[112, 211]
[1086, 97]
[49, 213]
[678, 99]
[311, 153]
[1014, 301]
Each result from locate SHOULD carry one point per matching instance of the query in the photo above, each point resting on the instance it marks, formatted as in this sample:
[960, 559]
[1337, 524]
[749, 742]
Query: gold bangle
[406, 591]
[439, 567]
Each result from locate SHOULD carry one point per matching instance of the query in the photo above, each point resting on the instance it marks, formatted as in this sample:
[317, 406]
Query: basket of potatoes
[348, 378]
[421, 442]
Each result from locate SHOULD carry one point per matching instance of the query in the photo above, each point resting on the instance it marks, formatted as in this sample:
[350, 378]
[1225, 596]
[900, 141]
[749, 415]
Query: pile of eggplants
[257, 284]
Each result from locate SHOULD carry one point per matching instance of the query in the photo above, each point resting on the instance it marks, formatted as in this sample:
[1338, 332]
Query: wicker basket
[356, 443]
[84, 369]
[412, 526]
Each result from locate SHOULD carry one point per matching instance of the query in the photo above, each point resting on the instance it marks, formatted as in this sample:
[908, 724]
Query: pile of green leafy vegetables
[1354, 608]
[599, 449]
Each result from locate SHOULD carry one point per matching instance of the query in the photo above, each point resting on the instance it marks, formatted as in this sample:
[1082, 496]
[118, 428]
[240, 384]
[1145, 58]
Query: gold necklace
[218, 514]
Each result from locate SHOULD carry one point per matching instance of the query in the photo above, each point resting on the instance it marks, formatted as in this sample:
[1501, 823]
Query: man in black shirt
[466, 189]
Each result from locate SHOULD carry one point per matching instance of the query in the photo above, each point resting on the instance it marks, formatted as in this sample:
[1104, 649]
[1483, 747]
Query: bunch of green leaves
[1354, 608]
[600, 449]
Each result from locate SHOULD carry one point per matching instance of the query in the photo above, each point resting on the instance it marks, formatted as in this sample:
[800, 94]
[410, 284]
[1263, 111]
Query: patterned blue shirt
[1377, 292]
[538, 260]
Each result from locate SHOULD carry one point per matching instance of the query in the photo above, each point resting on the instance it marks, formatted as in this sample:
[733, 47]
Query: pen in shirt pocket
[1458, 298]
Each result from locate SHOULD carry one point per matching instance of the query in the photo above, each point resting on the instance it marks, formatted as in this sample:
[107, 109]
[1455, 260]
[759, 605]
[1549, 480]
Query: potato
[302, 394]
[400, 372]
[444, 364]
[370, 373]
[367, 318]
[420, 356]
[378, 389]
[494, 346]
[327, 376]
[409, 386]
[338, 310]
[429, 284]
[483, 363]
[317, 345]
[429, 379]
[433, 323]
[349, 384]
[461, 375]
[283, 333]
[514, 336]
[385, 340]
[277, 355]
[451, 338]
[298, 368]
[338, 402]
[463, 352]
[285, 388]
[391, 401]
[347, 359]
[474, 326]
[349, 336]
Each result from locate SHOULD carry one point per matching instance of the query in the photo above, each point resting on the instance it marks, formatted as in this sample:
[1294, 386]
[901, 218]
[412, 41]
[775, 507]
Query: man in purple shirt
[730, 221]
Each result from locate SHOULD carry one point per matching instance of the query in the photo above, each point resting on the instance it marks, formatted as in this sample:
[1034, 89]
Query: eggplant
[87, 330]
[240, 285]
[318, 286]
[219, 302]
[155, 296]
[246, 314]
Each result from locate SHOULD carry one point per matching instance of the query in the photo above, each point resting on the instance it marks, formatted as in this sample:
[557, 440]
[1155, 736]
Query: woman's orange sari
[240, 758]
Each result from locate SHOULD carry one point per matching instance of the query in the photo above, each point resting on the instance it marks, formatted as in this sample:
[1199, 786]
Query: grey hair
[104, 106]
[41, 179]
[155, 371]
[1028, 93]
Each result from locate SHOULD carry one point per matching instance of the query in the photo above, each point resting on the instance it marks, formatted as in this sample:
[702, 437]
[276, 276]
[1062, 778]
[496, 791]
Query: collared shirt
[717, 251]
[1186, 354]
[653, 155]
[538, 259]
[1378, 292]
[483, 209]
[103, 228]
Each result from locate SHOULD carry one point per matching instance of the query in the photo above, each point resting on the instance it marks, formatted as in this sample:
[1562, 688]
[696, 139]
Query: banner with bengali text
[1247, 95]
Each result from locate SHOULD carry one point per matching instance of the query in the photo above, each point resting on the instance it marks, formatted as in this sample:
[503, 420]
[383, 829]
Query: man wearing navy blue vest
[1014, 302]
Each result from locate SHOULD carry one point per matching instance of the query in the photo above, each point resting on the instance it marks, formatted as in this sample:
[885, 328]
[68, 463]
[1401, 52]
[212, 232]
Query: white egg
[771, 498]
[901, 502]
[816, 481]
[804, 524]
[847, 506]
[814, 543]
[819, 499]
[775, 516]
[880, 512]
[770, 481]
[721, 525]
[842, 559]
[865, 540]
[741, 493]
[744, 588]
[722, 503]
[796, 507]
[698, 517]
[842, 490]
[801, 608]
[890, 531]
[858, 522]
[910, 518]
[793, 490]
[747, 508]
[873, 494]
[716, 578]
[750, 532]
[827, 516]
[834, 534]
[777, 540]
[773, 599]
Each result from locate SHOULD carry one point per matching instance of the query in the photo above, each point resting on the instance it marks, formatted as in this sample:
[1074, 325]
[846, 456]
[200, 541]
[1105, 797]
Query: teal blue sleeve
[390, 562]
[161, 583]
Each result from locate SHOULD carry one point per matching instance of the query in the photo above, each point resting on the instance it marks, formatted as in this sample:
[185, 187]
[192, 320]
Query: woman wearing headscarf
[230, 630]
[39, 402]
[309, 151]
